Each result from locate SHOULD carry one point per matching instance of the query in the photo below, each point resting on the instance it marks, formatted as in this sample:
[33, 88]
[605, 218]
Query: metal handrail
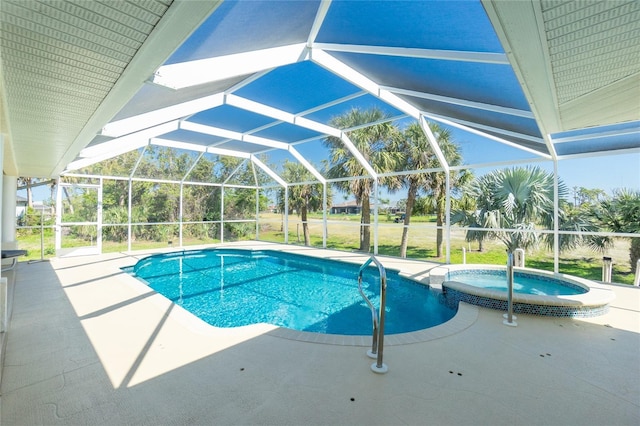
[377, 345]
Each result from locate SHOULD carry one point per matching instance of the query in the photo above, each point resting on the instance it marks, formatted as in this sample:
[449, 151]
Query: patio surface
[88, 344]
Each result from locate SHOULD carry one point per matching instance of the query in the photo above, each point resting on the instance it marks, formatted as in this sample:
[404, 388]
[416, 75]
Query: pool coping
[465, 317]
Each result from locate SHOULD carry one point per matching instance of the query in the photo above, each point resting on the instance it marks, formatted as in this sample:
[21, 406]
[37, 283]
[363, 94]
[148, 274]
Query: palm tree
[518, 199]
[27, 182]
[418, 155]
[303, 198]
[621, 213]
[375, 144]
[434, 184]
[466, 214]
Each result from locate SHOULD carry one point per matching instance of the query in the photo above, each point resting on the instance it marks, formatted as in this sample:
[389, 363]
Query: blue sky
[606, 172]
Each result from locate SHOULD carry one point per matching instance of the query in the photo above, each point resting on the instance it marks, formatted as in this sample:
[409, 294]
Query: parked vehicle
[399, 218]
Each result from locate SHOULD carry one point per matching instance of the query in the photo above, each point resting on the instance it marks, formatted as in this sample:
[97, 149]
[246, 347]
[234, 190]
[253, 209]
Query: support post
[129, 213]
[285, 224]
[324, 215]
[180, 215]
[222, 214]
[509, 318]
[607, 266]
[4, 305]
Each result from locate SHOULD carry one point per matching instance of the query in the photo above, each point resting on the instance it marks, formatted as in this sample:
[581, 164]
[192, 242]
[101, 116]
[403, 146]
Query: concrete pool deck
[88, 344]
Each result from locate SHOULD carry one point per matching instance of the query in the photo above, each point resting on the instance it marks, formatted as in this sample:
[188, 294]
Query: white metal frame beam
[443, 55]
[469, 127]
[193, 73]
[268, 171]
[153, 118]
[461, 102]
[434, 144]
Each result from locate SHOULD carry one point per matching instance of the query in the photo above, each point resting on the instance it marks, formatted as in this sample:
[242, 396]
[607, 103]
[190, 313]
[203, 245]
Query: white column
[2, 180]
[58, 229]
[9, 185]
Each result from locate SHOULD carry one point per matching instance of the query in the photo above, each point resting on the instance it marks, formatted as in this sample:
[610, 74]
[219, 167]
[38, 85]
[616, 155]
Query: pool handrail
[377, 345]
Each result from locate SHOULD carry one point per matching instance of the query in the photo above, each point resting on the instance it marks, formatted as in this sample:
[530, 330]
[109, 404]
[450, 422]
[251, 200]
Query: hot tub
[576, 297]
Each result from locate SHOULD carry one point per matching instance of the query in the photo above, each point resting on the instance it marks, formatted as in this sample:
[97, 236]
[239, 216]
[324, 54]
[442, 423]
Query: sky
[606, 172]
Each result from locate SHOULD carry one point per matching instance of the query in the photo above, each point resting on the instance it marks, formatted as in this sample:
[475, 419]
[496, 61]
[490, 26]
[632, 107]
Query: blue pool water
[231, 288]
[522, 282]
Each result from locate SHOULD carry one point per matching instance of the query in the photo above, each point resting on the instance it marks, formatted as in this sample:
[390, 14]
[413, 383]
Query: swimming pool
[237, 287]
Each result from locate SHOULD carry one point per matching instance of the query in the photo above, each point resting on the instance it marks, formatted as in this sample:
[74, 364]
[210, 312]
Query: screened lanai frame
[256, 164]
[225, 78]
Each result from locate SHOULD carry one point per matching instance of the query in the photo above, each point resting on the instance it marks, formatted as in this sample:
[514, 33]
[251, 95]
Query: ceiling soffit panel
[594, 51]
[578, 61]
[591, 44]
[59, 62]
[616, 103]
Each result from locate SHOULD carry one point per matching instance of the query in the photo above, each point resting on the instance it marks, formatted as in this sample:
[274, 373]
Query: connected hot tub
[535, 292]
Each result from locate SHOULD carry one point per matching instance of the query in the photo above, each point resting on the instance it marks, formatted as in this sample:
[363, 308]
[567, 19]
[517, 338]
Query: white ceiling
[68, 67]
[579, 60]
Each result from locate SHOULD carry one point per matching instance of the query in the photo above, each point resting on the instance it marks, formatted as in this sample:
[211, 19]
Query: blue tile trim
[453, 297]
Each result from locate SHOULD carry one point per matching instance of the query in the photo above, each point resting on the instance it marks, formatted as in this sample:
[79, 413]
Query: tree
[621, 213]
[375, 144]
[418, 154]
[304, 198]
[27, 182]
[582, 196]
[517, 199]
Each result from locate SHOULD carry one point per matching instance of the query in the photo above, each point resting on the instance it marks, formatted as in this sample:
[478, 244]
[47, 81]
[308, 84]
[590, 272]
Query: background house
[348, 207]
